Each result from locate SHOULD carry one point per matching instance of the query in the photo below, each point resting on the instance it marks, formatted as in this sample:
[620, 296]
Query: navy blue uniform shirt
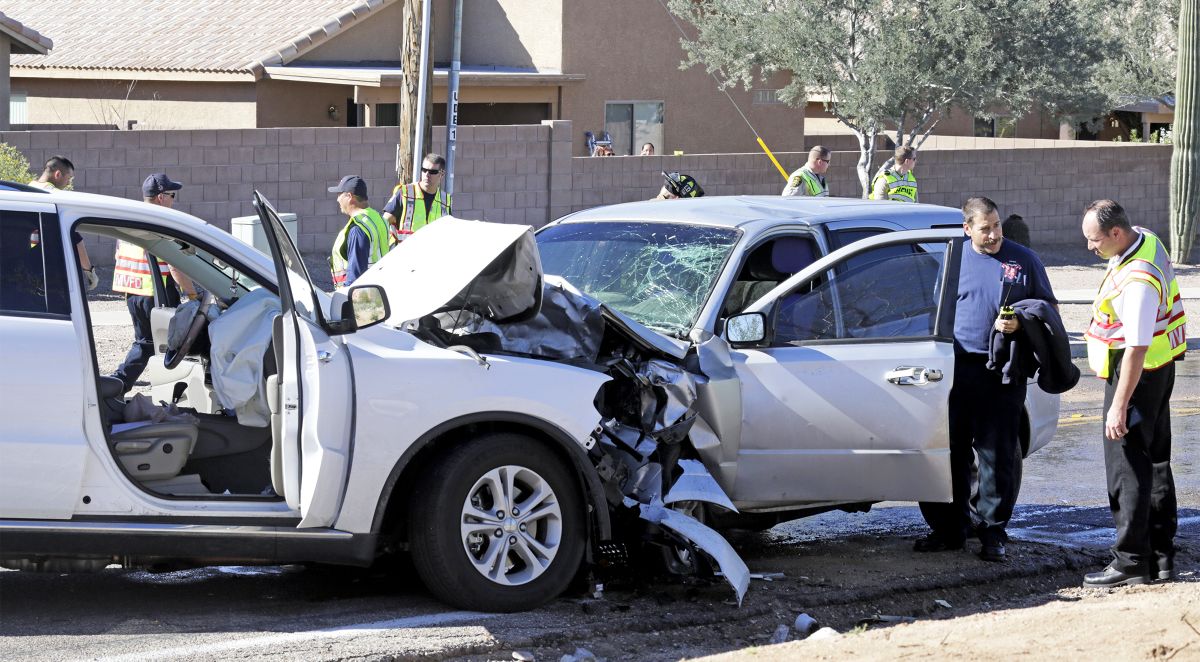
[985, 282]
[358, 254]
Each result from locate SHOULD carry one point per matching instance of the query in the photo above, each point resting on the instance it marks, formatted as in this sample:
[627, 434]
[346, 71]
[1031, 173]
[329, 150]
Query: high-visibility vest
[806, 182]
[131, 274]
[414, 216]
[1149, 264]
[898, 188]
[370, 222]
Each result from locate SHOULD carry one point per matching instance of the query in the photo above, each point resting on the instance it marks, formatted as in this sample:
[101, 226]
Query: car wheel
[680, 559]
[498, 525]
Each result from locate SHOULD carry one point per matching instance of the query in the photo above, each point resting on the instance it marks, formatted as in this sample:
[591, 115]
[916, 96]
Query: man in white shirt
[1135, 336]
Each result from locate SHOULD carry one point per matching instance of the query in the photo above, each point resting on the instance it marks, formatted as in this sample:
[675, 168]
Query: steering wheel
[173, 357]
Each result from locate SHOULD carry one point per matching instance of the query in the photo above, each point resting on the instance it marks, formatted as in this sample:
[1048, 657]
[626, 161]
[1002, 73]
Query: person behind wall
[677, 185]
[413, 206]
[57, 174]
[603, 150]
[985, 412]
[897, 182]
[363, 241]
[810, 178]
[132, 276]
[647, 150]
[1135, 336]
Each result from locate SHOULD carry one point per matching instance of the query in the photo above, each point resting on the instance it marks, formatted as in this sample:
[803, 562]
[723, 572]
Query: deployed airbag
[240, 338]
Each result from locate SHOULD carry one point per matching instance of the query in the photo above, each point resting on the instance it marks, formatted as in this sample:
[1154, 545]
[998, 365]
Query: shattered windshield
[660, 274]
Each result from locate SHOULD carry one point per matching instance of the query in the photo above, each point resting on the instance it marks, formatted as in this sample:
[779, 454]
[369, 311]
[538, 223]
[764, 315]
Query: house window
[630, 124]
[387, 114]
[766, 98]
[17, 113]
[998, 127]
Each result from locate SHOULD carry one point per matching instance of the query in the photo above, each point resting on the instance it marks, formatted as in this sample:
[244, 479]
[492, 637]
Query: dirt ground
[1156, 622]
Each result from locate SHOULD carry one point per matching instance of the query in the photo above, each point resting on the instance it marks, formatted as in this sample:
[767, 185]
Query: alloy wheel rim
[511, 525]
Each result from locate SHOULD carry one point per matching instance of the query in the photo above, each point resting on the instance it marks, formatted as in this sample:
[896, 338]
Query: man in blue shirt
[985, 413]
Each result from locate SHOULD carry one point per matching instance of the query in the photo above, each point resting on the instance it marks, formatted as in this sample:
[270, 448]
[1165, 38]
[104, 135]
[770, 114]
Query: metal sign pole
[452, 99]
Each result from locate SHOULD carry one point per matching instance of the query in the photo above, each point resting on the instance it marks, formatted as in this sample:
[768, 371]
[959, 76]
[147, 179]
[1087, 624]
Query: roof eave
[86, 73]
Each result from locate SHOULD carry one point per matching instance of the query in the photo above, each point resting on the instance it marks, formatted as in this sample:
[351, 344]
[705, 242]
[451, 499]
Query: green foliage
[886, 65]
[1141, 37]
[14, 167]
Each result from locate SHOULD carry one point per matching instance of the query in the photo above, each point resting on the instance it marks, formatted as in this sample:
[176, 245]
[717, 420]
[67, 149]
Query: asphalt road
[846, 564]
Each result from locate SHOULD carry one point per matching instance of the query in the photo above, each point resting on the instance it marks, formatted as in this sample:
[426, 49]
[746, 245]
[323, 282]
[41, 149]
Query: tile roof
[183, 35]
[26, 39]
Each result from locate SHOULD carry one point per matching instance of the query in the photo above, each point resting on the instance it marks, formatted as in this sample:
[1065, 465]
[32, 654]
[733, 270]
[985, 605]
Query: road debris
[805, 625]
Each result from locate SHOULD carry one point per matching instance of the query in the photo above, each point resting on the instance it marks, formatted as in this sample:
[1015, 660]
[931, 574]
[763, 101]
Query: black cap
[684, 186]
[351, 184]
[158, 183]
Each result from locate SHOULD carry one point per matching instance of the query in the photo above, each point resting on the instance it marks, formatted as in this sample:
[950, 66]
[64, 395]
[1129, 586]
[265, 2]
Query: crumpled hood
[492, 269]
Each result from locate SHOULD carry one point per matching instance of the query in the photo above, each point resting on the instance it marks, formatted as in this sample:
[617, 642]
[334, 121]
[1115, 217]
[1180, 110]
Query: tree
[14, 167]
[1185, 157]
[1142, 35]
[901, 66]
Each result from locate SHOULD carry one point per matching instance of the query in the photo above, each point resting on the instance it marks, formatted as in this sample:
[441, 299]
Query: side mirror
[369, 305]
[746, 329]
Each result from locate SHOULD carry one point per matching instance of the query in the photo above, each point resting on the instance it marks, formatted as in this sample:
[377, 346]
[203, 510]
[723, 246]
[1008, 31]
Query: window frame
[49, 237]
[944, 321]
[633, 140]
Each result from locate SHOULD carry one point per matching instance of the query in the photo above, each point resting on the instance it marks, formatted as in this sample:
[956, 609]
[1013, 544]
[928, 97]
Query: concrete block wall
[526, 174]
[1047, 182]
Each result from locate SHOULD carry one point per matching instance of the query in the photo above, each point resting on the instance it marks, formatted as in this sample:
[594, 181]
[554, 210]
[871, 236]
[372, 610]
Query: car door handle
[913, 376]
[324, 356]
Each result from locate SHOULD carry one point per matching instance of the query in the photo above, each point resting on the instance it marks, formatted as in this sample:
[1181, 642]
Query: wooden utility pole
[410, 57]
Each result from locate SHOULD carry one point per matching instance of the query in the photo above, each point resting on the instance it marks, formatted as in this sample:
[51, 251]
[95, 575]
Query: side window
[846, 237]
[888, 293]
[765, 267]
[33, 273]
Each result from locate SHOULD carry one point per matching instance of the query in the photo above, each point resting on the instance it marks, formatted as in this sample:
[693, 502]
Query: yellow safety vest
[414, 216]
[1106, 334]
[132, 272]
[899, 188]
[806, 182]
[370, 222]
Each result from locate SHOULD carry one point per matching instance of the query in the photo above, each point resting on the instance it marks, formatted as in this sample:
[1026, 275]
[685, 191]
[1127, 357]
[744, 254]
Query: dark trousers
[1141, 489]
[985, 420]
[143, 341]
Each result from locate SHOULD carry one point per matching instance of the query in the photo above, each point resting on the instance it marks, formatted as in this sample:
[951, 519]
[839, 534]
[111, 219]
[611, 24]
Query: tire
[453, 529]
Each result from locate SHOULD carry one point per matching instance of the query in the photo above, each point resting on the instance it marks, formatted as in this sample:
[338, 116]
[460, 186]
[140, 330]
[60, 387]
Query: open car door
[313, 399]
[846, 397]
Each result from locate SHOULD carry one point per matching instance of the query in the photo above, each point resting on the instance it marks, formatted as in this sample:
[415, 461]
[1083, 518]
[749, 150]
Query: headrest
[778, 259]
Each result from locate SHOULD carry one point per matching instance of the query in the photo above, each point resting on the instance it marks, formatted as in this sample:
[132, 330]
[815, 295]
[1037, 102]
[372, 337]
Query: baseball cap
[351, 184]
[684, 186]
[158, 183]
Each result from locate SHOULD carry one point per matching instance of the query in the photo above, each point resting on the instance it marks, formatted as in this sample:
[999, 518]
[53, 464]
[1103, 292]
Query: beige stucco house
[15, 39]
[611, 65]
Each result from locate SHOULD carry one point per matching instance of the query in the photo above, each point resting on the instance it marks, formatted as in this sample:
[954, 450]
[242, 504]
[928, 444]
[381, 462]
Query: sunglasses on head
[432, 171]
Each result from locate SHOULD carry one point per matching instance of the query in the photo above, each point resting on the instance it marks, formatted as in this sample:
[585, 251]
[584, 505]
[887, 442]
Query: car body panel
[799, 445]
[437, 385]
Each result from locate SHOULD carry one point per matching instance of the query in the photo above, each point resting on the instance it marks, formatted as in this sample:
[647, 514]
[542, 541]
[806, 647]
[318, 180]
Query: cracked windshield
[658, 274]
